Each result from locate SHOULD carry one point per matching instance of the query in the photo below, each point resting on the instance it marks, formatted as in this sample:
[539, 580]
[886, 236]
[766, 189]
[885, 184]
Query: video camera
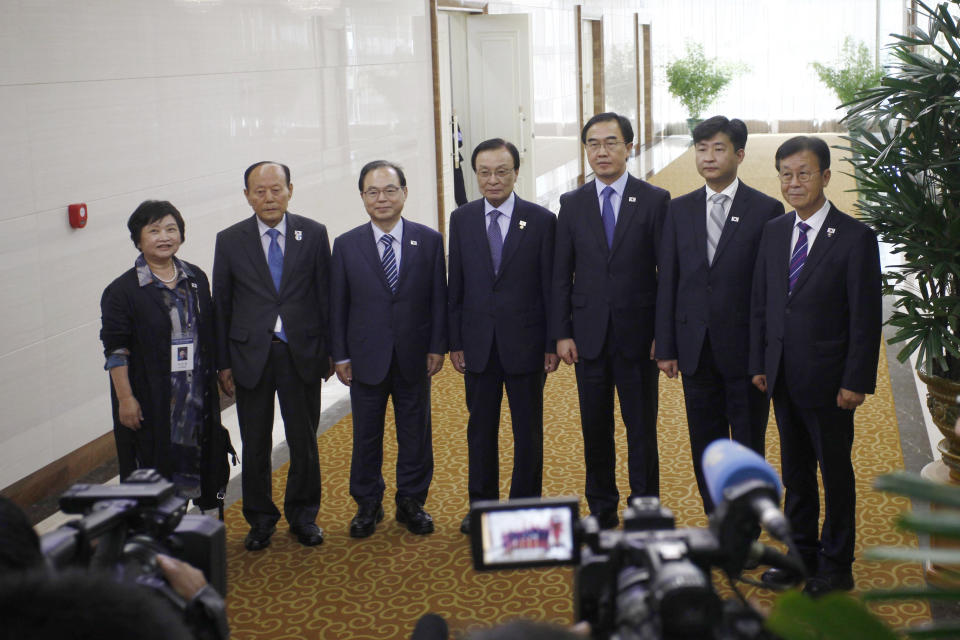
[649, 580]
[124, 527]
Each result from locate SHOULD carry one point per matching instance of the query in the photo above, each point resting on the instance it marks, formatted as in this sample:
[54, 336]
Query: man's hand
[760, 382]
[550, 362]
[456, 359]
[130, 413]
[567, 350]
[434, 364]
[184, 578]
[847, 399]
[653, 349]
[225, 378]
[345, 373]
[669, 367]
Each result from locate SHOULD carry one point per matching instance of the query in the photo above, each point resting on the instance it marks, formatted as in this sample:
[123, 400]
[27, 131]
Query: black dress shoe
[309, 534]
[825, 583]
[411, 513]
[258, 538]
[465, 525]
[365, 522]
[607, 519]
[780, 579]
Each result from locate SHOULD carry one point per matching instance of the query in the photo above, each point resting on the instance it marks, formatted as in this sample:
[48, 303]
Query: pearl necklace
[166, 281]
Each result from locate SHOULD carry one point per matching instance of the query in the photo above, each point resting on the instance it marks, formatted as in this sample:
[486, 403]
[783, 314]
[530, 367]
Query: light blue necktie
[389, 261]
[495, 238]
[275, 262]
[609, 220]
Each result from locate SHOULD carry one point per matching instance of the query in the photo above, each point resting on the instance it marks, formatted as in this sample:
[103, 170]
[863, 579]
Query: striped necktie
[715, 224]
[389, 261]
[799, 256]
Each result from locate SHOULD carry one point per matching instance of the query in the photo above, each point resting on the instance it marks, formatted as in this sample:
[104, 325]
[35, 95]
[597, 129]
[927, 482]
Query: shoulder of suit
[634, 182]
[690, 198]
[125, 279]
[240, 226]
[422, 229]
[302, 222]
[466, 209]
[352, 233]
[532, 209]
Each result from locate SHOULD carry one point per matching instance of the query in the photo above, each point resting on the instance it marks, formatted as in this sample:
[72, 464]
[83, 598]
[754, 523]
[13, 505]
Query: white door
[500, 65]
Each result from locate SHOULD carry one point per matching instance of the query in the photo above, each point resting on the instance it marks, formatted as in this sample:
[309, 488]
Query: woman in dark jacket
[157, 334]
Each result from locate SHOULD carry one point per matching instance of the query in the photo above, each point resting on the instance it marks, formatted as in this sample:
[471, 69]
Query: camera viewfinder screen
[528, 536]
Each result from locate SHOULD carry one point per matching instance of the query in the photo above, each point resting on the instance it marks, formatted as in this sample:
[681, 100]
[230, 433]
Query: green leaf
[914, 486]
[835, 616]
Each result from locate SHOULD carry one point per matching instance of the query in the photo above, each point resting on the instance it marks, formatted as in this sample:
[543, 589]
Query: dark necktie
[606, 214]
[799, 256]
[275, 262]
[495, 238]
[715, 224]
[389, 261]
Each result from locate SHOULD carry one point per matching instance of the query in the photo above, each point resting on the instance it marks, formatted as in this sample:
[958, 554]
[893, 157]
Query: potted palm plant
[696, 81]
[905, 140]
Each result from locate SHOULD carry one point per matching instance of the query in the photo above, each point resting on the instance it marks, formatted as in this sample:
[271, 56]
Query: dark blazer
[136, 318]
[618, 282]
[826, 334]
[693, 296]
[247, 302]
[369, 322]
[511, 305]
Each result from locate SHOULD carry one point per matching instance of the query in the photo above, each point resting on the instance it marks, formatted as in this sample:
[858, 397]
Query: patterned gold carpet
[378, 587]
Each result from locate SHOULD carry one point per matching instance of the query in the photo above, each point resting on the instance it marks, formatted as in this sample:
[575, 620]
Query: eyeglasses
[803, 176]
[502, 173]
[373, 193]
[610, 145]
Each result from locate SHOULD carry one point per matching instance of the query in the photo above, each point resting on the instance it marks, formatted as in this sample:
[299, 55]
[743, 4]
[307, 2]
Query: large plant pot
[942, 403]
[692, 123]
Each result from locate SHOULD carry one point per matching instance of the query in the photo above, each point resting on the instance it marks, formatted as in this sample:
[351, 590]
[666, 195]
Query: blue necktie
[609, 221]
[495, 238]
[275, 262]
[799, 256]
[389, 261]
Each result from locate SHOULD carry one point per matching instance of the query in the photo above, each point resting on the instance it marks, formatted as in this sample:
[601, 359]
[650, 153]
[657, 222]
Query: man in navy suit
[270, 297]
[710, 245]
[604, 294]
[389, 335]
[501, 264]
[815, 342]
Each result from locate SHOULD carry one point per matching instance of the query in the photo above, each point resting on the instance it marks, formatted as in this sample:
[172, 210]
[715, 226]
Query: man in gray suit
[270, 275]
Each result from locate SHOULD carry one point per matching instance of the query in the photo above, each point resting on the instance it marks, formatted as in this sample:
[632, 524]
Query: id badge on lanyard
[181, 354]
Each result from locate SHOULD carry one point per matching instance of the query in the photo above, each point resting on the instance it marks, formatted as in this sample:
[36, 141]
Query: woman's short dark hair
[626, 129]
[381, 164]
[151, 211]
[496, 143]
[797, 144]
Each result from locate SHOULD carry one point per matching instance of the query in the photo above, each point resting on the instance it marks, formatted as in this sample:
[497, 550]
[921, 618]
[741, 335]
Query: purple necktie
[609, 220]
[799, 256]
[495, 238]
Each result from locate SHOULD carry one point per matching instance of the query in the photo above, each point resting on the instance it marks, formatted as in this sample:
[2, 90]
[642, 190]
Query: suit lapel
[780, 261]
[292, 248]
[410, 246]
[628, 212]
[514, 234]
[370, 252]
[591, 206]
[824, 242]
[737, 210]
[253, 245]
[699, 222]
[477, 230]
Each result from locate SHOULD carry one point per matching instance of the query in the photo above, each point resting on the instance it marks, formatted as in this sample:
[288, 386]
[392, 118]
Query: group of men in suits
[719, 285]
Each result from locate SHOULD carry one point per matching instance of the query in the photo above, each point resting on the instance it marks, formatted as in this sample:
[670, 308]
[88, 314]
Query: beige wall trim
[578, 18]
[647, 87]
[438, 126]
[60, 474]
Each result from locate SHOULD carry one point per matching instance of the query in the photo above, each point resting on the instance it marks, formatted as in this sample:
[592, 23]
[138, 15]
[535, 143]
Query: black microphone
[737, 475]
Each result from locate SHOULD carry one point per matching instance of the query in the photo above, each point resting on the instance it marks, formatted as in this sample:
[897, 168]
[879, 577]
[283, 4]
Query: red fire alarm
[78, 215]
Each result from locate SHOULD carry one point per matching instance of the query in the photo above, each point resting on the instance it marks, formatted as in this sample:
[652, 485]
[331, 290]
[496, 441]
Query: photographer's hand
[184, 578]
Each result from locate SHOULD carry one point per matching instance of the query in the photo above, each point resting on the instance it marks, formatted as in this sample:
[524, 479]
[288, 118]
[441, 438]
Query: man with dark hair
[815, 342]
[603, 298]
[389, 335]
[710, 245]
[501, 264]
[270, 276]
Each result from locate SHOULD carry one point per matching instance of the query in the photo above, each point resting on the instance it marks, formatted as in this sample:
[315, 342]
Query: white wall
[112, 102]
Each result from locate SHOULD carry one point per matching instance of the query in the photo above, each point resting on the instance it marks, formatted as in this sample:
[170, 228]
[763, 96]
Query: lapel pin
[193, 284]
[298, 235]
[413, 243]
[830, 232]
[735, 219]
[523, 224]
[632, 199]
